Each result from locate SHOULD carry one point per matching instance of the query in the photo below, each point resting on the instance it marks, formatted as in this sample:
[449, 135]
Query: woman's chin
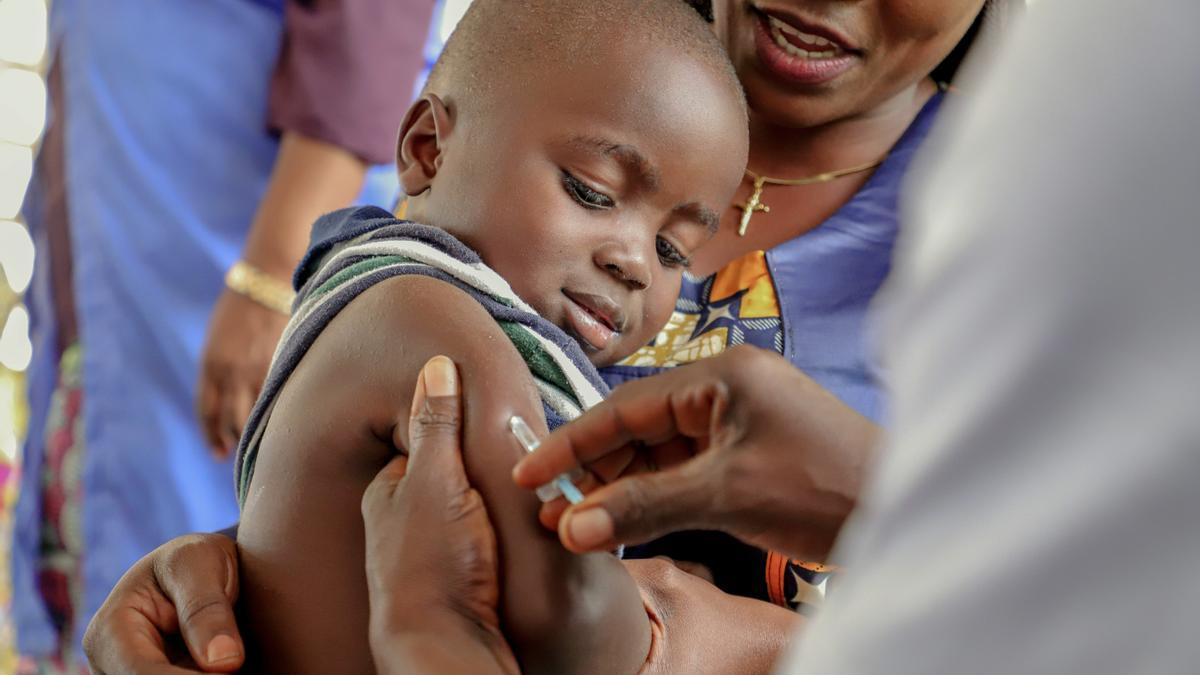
[789, 108]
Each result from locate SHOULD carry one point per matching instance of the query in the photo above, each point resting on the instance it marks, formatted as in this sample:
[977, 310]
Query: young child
[565, 160]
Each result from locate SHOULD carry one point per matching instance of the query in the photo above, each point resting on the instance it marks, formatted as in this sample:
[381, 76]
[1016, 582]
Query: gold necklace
[755, 204]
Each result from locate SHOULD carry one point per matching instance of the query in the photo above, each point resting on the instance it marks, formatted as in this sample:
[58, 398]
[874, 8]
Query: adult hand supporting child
[432, 568]
[698, 628]
[187, 587]
[742, 442]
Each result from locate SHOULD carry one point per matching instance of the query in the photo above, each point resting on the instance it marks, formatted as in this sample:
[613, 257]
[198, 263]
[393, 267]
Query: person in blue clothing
[183, 137]
[842, 96]
[840, 99]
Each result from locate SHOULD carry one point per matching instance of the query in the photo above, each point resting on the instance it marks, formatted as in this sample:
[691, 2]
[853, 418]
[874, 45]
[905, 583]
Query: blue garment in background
[825, 281]
[167, 155]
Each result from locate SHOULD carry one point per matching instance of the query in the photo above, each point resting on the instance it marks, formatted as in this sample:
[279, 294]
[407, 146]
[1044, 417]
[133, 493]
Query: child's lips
[594, 319]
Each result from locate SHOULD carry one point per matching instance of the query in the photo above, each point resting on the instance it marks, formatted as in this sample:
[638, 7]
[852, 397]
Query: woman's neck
[787, 152]
[791, 153]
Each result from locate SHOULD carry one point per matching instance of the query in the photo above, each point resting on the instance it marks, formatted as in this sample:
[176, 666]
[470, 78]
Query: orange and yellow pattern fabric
[737, 305]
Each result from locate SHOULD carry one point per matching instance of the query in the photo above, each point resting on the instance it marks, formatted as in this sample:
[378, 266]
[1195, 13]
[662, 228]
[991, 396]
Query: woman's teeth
[820, 47]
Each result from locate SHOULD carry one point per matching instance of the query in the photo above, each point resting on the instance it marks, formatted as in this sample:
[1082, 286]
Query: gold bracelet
[251, 282]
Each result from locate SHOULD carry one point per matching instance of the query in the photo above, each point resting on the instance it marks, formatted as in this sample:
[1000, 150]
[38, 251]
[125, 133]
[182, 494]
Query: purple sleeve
[346, 71]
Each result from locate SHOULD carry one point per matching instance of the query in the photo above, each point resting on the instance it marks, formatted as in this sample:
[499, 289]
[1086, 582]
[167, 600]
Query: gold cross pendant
[752, 205]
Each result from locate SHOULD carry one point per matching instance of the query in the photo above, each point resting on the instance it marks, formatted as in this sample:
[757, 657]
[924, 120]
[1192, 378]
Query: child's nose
[627, 264]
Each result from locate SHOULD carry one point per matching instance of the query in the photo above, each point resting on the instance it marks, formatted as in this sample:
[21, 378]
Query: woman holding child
[841, 96]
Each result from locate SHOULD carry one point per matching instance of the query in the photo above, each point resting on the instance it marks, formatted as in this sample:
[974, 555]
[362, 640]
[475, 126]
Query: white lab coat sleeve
[1038, 507]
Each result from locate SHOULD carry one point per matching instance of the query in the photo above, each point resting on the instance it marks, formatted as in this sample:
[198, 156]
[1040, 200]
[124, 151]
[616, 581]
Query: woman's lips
[799, 56]
[589, 322]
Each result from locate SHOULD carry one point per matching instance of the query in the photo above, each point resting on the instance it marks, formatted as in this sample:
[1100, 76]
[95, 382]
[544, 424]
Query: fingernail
[590, 528]
[222, 648]
[441, 378]
[418, 394]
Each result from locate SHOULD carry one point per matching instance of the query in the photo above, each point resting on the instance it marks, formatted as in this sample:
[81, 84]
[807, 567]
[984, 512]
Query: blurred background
[23, 29]
[26, 41]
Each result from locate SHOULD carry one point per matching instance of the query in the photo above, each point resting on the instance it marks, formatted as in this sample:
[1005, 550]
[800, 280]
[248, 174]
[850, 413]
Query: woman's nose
[626, 263]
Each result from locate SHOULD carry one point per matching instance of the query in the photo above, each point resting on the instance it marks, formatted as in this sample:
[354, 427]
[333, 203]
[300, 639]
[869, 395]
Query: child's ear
[422, 143]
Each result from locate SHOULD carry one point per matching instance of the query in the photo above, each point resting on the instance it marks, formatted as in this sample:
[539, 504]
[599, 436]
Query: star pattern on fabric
[809, 594]
[736, 305]
[726, 311]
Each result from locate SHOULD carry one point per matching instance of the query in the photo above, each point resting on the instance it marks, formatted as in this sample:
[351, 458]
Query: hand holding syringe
[563, 485]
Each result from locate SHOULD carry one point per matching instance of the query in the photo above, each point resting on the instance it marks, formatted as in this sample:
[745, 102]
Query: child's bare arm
[333, 428]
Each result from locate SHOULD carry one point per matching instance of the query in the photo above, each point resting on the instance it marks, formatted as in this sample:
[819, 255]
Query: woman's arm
[333, 428]
[311, 177]
[343, 79]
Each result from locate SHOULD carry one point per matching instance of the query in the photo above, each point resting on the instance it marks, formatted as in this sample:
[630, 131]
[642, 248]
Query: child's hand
[432, 570]
[742, 442]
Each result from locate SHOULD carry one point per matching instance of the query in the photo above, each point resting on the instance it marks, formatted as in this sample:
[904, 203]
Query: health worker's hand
[742, 442]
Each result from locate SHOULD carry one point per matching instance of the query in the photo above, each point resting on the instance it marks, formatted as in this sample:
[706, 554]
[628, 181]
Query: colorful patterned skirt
[60, 545]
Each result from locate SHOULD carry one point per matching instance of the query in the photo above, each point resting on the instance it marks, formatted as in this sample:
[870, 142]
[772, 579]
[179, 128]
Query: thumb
[435, 426]
[641, 507]
[200, 577]
[382, 487]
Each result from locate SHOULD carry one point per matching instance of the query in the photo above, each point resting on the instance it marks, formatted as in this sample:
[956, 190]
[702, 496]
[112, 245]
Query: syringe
[560, 486]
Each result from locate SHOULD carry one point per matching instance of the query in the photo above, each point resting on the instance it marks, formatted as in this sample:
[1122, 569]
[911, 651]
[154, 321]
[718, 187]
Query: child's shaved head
[499, 43]
[585, 149]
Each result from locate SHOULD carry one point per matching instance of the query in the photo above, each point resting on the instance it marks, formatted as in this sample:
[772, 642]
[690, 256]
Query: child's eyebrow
[628, 156]
[644, 171]
[701, 214]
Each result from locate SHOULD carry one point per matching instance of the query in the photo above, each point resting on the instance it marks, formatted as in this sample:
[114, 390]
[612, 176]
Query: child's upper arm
[327, 438]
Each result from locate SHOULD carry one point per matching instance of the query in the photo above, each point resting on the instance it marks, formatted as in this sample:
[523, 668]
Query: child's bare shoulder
[336, 421]
[376, 346]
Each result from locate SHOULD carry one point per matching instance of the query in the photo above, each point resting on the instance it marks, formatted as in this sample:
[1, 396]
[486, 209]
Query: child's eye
[671, 256]
[586, 196]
